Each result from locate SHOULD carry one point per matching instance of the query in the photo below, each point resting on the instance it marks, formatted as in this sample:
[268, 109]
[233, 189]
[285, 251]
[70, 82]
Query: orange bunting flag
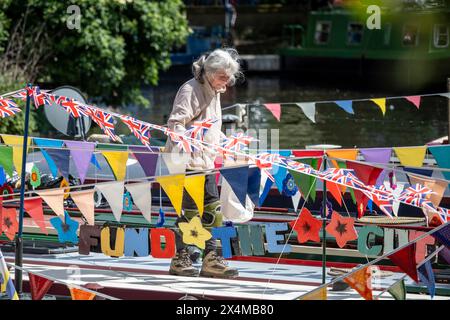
[361, 281]
[78, 294]
[320, 294]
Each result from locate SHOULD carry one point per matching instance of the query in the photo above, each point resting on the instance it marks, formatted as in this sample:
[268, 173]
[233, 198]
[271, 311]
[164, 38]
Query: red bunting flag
[405, 259]
[39, 286]
[34, 208]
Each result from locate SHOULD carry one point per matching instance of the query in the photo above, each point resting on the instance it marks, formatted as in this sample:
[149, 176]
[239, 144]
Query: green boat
[410, 49]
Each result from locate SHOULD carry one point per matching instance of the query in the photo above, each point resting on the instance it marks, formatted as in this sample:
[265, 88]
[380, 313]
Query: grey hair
[226, 59]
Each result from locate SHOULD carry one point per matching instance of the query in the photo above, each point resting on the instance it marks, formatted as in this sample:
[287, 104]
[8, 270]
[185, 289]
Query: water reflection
[403, 124]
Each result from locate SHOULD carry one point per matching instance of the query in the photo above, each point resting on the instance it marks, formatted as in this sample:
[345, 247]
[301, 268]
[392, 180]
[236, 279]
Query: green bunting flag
[397, 290]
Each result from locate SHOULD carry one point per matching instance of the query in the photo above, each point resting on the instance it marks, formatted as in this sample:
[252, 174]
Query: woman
[197, 100]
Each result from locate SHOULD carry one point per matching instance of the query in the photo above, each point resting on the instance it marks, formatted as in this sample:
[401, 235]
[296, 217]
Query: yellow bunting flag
[361, 281]
[347, 154]
[78, 294]
[173, 186]
[194, 233]
[411, 156]
[16, 142]
[117, 160]
[320, 294]
[381, 103]
[195, 186]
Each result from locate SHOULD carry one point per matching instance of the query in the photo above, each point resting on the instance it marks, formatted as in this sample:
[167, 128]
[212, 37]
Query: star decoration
[343, 229]
[307, 227]
[194, 233]
[67, 231]
[8, 222]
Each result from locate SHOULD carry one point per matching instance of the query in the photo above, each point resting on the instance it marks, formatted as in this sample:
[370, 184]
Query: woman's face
[219, 80]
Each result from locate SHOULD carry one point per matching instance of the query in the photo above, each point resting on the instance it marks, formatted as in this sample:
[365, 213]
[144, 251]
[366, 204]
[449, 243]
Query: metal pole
[448, 90]
[19, 240]
[324, 222]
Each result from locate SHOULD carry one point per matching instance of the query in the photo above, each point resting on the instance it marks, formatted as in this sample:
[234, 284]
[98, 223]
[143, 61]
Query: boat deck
[148, 278]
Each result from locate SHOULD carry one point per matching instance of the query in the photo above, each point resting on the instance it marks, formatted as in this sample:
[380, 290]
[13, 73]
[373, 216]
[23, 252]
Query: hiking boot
[181, 265]
[215, 266]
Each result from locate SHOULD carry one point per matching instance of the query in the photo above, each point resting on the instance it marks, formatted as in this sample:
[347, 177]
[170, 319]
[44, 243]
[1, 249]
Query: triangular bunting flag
[345, 154]
[78, 294]
[346, 105]
[81, 153]
[411, 156]
[61, 158]
[85, 203]
[438, 186]
[195, 186]
[361, 281]
[142, 198]
[265, 186]
[6, 159]
[443, 235]
[117, 160]
[320, 294]
[447, 95]
[6, 283]
[148, 161]
[113, 192]
[414, 100]
[171, 163]
[377, 155]
[398, 290]
[426, 276]
[275, 108]
[380, 103]
[405, 259]
[39, 286]
[173, 186]
[34, 208]
[296, 200]
[335, 191]
[50, 143]
[16, 142]
[254, 182]
[279, 172]
[442, 156]
[309, 109]
[238, 180]
[54, 199]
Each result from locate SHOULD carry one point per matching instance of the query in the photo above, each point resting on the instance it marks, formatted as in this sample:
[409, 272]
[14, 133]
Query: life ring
[6, 189]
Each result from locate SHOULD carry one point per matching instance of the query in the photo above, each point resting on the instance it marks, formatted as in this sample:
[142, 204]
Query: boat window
[387, 34]
[354, 33]
[323, 29]
[440, 36]
[410, 35]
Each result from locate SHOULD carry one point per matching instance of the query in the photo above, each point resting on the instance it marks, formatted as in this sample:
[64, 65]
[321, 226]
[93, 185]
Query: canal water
[402, 125]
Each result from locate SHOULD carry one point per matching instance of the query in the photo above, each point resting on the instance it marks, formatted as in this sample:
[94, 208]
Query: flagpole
[19, 240]
[324, 221]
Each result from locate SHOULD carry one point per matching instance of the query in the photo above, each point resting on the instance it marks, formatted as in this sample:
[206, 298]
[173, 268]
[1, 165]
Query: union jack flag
[264, 162]
[104, 120]
[8, 108]
[37, 95]
[183, 143]
[237, 141]
[384, 203]
[72, 107]
[442, 213]
[336, 175]
[139, 129]
[199, 128]
[22, 94]
[415, 195]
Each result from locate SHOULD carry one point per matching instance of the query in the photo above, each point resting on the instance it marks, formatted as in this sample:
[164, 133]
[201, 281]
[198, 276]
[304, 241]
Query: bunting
[50, 143]
[34, 208]
[309, 109]
[54, 199]
[81, 153]
[320, 294]
[411, 156]
[377, 155]
[238, 180]
[39, 286]
[85, 203]
[16, 142]
[346, 105]
[142, 197]
[173, 186]
[398, 290]
[381, 103]
[148, 161]
[253, 185]
[6, 285]
[78, 294]
[113, 192]
[61, 159]
[405, 259]
[6, 159]
[442, 156]
[275, 108]
[8, 108]
[426, 276]
[361, 281]
[415, 100]
[195, 186]
[117, 160]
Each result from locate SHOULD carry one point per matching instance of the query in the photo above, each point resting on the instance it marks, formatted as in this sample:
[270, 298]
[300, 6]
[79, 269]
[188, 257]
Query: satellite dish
[61, 120]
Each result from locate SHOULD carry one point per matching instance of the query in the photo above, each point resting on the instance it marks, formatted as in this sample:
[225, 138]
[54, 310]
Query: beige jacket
[196, 102]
